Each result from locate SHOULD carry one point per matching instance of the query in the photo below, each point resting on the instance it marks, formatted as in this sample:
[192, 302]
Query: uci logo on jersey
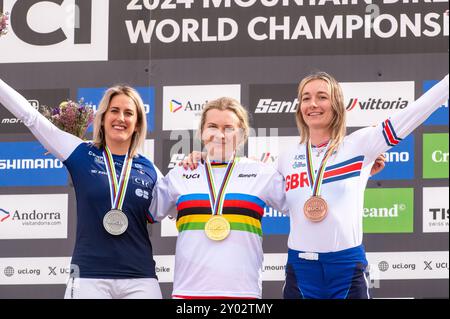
[191, 176]
[77, 31]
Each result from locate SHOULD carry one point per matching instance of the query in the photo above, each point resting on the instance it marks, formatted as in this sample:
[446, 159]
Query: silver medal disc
[115, 222]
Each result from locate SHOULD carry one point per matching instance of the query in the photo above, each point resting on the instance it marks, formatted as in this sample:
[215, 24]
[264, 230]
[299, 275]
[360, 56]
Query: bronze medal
[315, 209]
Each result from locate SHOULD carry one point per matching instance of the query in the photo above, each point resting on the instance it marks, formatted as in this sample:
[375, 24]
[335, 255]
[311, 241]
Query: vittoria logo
[377, 104]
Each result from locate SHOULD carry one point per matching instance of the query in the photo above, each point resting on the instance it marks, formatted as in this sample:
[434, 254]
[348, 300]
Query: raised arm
[61, 144]
[376, 140]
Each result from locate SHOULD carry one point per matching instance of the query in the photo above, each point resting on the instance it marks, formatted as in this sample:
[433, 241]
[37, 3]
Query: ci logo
[56, 30]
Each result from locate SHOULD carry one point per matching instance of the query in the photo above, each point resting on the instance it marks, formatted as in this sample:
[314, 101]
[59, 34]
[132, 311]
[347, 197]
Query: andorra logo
[4, 215]
[175, 106]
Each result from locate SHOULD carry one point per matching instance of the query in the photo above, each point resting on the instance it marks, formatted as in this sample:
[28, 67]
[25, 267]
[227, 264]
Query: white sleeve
[378, 139]
[61, 144]
[164, 197]
[275, 196]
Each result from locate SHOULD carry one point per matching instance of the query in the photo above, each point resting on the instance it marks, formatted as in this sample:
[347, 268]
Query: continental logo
[377, 104]
[272, 106]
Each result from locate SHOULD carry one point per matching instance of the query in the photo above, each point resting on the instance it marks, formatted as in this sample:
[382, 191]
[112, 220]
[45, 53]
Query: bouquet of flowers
[3, 23]
[69, 116]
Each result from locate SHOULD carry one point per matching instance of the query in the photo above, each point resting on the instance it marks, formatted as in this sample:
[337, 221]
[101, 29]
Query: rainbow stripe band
[117, 188]
[316, 182]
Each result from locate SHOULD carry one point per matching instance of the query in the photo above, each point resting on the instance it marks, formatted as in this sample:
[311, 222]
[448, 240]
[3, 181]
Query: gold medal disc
[217, 228]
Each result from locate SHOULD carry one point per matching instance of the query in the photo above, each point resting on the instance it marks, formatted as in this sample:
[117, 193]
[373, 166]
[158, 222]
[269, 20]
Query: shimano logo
[397, 157]
[271, 106]
[247, 175]
[377, 104]
[38, 163]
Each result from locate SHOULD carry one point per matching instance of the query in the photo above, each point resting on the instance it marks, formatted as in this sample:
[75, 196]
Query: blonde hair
[223, 104]
[141, 125]
[338, 123]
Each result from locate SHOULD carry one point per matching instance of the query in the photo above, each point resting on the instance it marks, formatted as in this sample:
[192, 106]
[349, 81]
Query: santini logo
[247, 175]
[384, 212]
[271, 106]
[38, 163]
[377, 104]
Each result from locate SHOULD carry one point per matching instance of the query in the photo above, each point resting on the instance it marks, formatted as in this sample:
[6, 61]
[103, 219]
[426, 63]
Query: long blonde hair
[338, 123]
[141, 125]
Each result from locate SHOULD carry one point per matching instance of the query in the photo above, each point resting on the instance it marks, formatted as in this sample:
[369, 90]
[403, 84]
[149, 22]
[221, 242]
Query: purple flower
[70, 116]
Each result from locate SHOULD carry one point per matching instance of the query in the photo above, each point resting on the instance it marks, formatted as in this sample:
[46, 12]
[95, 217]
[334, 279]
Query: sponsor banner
[273, 104]
[267, 148]
[435, 155]
[440, 116]
[37, 98]
[399, 162]
[183, 105]
[175, 149]
[56, 31]
[435, 210]
[369, 103]
[216, 28]
[165, 265]
[408, 265]
[274, 266]
[148, 150]
[33, 216]
[26, 164]
[35, 271]
[389, 210]
[93, 97]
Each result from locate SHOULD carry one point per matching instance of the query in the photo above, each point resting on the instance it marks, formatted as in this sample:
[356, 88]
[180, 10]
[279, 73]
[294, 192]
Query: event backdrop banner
[180, 54]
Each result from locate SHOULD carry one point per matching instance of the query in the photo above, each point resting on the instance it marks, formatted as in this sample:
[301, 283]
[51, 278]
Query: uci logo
[56, 30]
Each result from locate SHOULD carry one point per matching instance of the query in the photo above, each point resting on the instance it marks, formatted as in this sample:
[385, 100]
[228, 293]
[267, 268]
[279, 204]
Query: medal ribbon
[117, 189]
[217, 199]
[316, 182]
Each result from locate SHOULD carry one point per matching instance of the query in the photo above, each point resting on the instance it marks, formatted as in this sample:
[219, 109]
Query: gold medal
[217, 228]
[315, 209]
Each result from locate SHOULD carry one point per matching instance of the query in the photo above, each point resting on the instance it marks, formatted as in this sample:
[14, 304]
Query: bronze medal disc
[315, 209]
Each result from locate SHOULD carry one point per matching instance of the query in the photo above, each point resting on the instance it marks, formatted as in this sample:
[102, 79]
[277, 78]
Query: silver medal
[115, 222]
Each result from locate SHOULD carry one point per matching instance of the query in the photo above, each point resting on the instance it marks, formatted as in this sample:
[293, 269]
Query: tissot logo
[435, 210]
[72, 30]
